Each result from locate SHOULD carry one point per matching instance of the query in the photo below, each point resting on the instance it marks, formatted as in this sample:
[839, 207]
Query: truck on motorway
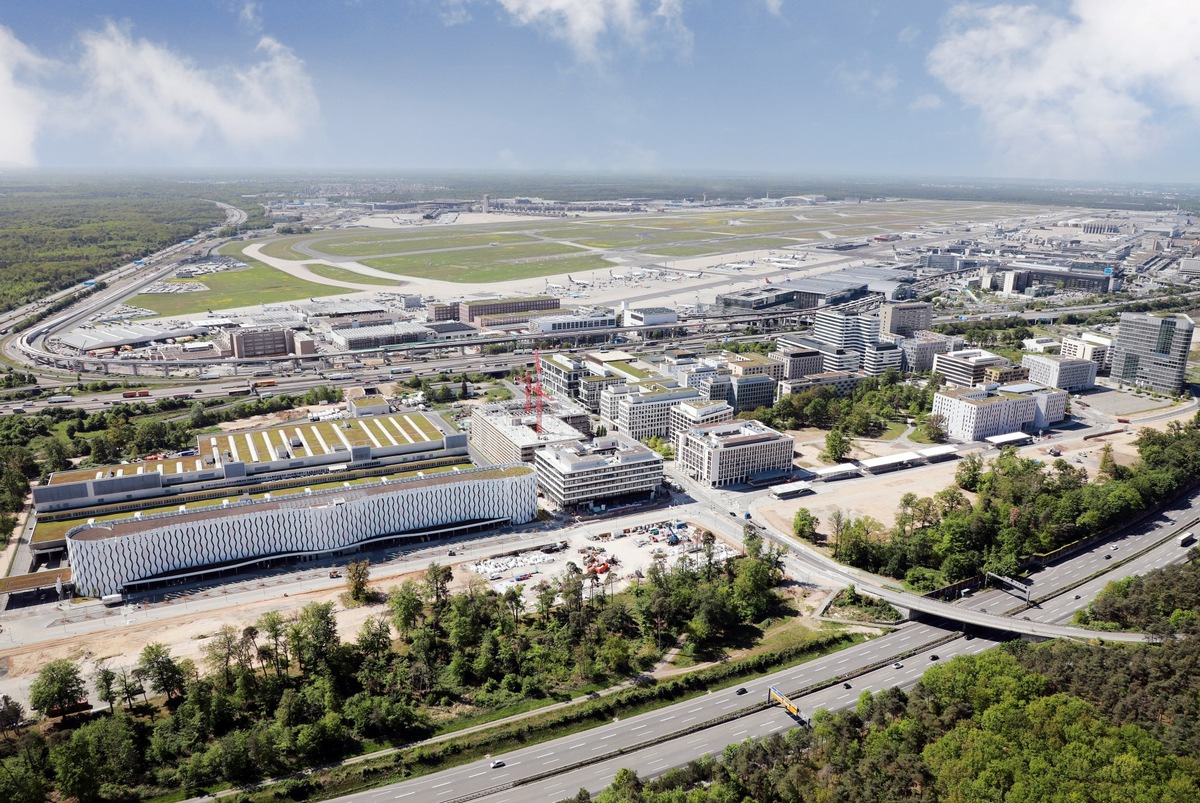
[339, 377]
[134, 394]
[1186, 538]
[60, 399]
[403, 369]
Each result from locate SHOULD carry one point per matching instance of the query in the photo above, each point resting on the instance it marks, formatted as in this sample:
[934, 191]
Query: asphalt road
[657, 727]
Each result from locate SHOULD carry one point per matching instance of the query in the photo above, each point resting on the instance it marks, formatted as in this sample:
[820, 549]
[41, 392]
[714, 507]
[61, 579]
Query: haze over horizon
[1070, 89]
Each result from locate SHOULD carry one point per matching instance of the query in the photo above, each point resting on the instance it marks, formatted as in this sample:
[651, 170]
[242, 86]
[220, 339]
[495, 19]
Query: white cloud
[774, 6]
[21, 106]
[926, 102]
[1065, 94]
[862, 81]
[251, 16]
[589, 26]
[150, 96]
[455, 12]
[908, 34]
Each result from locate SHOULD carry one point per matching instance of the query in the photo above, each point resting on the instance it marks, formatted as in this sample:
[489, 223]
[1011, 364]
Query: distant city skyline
[1064, 89]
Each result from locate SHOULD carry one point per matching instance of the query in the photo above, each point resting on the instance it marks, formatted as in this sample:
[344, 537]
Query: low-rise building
[642, 411]
[1042, 345]
[1060, 372]
[592, 318]
[468, 311]
[1089, 346]
[650, 316]
[972, 414]
[365, 401]
[879, 357]
[1004, 374]
[243, 344]
[842, 382]
[605, 468]
[798, 362]
[371, 337]
[919, 350]
[698, 412]
[965, 368]
[506, 433]
[732, 452]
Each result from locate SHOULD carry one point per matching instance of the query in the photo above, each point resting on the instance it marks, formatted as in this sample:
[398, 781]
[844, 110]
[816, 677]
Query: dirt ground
[878, 497]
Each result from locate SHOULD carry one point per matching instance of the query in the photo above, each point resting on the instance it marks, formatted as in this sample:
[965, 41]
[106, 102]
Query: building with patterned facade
[113, 556]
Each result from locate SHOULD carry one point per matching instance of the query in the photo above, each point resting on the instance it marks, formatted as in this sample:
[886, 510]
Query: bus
[263, 383]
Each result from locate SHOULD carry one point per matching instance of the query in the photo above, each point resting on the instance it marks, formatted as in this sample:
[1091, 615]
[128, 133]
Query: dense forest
[1021, 508]
[1021, 724]
[289, 693]
[1164, 601]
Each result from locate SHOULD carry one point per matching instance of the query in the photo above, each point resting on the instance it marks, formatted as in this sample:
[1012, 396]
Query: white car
[497, 764]
[897, 665]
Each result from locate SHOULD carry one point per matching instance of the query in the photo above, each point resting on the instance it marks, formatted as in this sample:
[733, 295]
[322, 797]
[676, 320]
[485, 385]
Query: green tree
[406, 606]
[837, 446]
[105, 681]
[161, 669]
[804, 525]
[934, 428]
[358, 574]
[58, 685]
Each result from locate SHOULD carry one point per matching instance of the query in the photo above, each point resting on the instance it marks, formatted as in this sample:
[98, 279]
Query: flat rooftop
[129, 526]
[314, 438]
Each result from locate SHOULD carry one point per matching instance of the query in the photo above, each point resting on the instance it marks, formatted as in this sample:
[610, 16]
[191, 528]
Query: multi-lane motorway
[654, 742]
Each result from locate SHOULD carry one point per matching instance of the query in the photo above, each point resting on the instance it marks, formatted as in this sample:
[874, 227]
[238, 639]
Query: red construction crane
[537, 387]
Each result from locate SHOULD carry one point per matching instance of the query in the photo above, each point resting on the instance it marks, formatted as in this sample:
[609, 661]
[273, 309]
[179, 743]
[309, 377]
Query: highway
[651, 743]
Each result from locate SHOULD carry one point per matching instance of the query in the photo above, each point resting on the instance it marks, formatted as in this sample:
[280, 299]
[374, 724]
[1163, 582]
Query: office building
[373, 337]
[1089, 346]
[751, 392]
[642, 411]
[972, 414]
[468, 311]
[797, 362]
[845, 329]
[583, 318]
[698, 412]
[732, 452]
[1060, 372]
[241, 344]
[1004, 374]
[612, 467]
[905, 318]
[919, 350]
[843, 383]
[752, 364]
[507, 433]
[879, 357]
[1151, 351]
[965, 368]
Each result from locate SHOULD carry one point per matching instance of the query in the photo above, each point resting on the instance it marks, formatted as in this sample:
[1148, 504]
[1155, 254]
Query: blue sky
[1090, 89]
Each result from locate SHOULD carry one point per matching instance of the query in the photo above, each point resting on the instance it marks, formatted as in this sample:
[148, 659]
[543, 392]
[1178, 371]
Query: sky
[1063, 89]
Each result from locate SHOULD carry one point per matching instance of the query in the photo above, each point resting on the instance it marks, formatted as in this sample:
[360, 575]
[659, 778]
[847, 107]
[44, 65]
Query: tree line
[289, 692]
[1021, 508]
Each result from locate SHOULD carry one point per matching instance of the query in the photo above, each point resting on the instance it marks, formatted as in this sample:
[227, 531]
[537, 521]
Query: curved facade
[105, 558]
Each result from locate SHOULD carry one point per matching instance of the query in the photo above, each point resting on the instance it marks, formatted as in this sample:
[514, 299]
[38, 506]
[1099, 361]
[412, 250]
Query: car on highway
[933, 657]
[1108, 557]
[1113, 548]
[497, 764]
[741, 691]
[897, 665]
[846, 685]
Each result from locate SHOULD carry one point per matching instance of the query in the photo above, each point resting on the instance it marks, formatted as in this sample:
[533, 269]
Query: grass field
[282, 249]
[728, 247]
[255, 284]
[346, 275]
[374, 244]
[498, 264]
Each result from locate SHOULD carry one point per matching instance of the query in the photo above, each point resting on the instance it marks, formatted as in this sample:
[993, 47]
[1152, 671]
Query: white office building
[604, 468]
[732, 452]
[1060, 372]
[845, 329]
[1089, 346]
[972, 414]
[642, 411]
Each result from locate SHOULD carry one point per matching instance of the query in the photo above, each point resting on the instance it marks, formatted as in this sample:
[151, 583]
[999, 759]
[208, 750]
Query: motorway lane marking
[551, 761]
[697, 741]
[444, 783]
[572, 747]
[543, 755]
[739, 733]
[639, 727]
[666, 719]
[476, 775]
[694, 710]
[609, 736]
[406, 794]
[689, 719]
